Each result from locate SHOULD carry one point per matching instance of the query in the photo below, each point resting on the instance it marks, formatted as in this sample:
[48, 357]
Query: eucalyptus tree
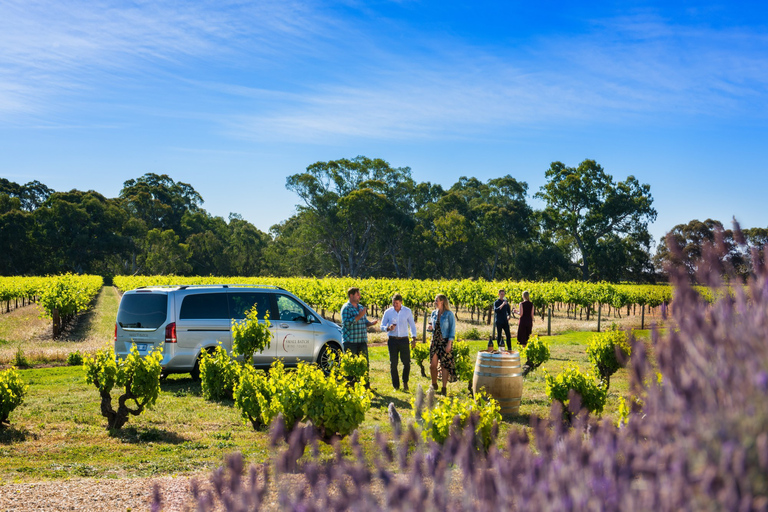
[585, 207]
[352, 204]
[80, 232]
[684, 245]
[479, 227]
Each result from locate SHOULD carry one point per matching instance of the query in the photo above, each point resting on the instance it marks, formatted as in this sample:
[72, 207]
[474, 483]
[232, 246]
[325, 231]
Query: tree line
[357, 217]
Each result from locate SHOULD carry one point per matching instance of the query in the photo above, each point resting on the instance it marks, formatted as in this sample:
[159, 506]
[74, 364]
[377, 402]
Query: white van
[188, 320]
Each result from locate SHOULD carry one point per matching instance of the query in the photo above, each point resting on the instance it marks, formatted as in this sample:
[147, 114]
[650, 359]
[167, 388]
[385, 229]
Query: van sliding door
[239, 305]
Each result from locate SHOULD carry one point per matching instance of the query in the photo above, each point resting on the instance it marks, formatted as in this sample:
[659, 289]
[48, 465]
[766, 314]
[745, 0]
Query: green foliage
[101, 370]
[20, 358]
[420, 353]
[75, 358]
[12, 391]
[248, 390]
[287, 393]
[329, 293]
[162, 253]
[68, 293]
[473, 333]
[622, 416]
[536, 353]
[333, 406]
[593, 394]
[249, 336]
[489, 414]
[593, 214]
[465, 370]
[438, 421]
[219, 374]
[138, 375]
[602, 351]
[141, 376]
[353, 367]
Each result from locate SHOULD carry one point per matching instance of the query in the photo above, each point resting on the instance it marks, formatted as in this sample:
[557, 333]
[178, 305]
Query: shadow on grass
[524, 420]
[11, 434]
[76, 330]
[135, 435]
[379, 401]
[181, 387]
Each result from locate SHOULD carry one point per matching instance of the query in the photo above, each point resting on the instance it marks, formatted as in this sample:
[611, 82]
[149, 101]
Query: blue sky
[232, 97]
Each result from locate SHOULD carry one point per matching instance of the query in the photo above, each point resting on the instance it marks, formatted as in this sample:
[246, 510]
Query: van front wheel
[328, 357]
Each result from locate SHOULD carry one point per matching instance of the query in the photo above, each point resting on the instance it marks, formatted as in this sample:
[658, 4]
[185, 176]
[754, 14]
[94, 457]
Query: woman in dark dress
[525, 326]
[442, 324]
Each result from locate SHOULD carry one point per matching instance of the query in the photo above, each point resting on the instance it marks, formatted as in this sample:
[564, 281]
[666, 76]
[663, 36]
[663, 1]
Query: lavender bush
[695, 438]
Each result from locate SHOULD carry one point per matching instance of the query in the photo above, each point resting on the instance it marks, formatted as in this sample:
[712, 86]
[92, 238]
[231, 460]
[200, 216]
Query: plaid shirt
[353, 331]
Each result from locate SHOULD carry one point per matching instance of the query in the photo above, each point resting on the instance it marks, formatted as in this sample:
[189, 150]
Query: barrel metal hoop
[498, 375]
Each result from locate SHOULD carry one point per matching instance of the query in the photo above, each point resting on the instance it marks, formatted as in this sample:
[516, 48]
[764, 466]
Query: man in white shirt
[396, 322]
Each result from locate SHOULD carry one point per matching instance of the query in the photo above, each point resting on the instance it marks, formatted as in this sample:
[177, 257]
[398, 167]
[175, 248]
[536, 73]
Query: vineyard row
[61, 297]
[329, 294]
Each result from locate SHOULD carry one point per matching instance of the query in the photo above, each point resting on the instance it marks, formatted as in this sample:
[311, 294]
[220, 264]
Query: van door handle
[283, 326]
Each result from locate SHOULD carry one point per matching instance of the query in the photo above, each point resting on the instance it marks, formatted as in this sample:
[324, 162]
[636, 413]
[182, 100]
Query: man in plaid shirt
[354, 327]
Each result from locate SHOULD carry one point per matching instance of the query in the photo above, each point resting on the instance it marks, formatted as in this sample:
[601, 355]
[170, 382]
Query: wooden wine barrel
[501, 374]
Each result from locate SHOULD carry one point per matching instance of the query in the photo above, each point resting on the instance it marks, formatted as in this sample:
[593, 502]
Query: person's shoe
[396, 388]
[405, 388]
[444, 391]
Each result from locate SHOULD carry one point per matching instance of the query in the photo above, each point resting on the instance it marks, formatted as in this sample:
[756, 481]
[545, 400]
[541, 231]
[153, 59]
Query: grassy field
[59, 433]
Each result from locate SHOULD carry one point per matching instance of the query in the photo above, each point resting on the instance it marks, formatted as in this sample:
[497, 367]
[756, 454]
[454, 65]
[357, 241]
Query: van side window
[290, 310]
[241, 302]
[204, 306]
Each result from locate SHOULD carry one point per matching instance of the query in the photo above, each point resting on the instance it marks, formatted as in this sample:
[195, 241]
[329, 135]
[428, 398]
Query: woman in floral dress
[442, 324]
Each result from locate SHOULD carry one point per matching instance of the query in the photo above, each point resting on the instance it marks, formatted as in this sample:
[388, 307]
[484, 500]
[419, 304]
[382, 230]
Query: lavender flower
[696, 437]
[395, 420]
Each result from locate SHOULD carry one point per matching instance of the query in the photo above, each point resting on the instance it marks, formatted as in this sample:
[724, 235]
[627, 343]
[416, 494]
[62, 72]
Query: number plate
[142, 347]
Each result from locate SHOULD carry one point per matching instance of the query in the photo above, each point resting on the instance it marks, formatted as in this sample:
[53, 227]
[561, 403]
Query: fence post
[549, 321]
[56, 322]
[599, 315]
[642, 317]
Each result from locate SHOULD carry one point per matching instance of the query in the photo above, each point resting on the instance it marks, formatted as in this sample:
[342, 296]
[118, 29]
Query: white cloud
[55, 48]
[299, 73]
[628, 70]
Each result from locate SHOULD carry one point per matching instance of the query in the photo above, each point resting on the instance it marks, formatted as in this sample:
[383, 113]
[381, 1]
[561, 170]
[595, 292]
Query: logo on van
[293, 343]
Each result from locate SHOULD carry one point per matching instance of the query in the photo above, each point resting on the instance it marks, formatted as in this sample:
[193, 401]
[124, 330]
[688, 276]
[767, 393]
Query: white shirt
[403, 319]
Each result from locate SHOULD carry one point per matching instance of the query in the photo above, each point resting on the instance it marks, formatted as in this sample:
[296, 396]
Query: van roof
[172, 287]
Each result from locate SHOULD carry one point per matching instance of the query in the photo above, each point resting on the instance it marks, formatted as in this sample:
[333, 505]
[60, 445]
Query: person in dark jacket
[501, 314]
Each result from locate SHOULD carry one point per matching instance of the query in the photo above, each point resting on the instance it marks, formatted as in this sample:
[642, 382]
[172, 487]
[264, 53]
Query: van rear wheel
[195, 373]
[328, 357]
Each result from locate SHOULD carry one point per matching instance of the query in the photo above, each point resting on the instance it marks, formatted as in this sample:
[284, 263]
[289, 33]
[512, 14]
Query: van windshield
[142, 310]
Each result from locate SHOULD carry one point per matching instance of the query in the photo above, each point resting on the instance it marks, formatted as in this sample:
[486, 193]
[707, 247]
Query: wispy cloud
[303, 72]
[55, 48]
[625, 71]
